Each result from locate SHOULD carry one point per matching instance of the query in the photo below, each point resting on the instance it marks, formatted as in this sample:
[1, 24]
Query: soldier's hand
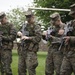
[19, 34]
[44, 33]
[24, 38]
[61, 32]
[52, 37]
[67, 38]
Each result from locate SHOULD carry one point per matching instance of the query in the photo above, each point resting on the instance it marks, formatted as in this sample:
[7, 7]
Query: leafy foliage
[16, 16]
[44, 15]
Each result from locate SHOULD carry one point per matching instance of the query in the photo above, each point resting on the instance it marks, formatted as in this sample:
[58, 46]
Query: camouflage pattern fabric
[28, 58]
[54, 56]
[68, 63]
[8, 36]
[53, 61]
[6, 60]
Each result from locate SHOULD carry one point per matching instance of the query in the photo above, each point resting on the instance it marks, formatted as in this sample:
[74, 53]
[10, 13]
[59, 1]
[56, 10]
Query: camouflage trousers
[68, 64]
[5, 62]
[27, 61]
[19, 49]
[53, 61]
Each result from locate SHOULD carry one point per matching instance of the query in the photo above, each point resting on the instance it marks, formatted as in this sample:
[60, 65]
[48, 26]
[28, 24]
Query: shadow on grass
[39, 55]
[42, 55]
[15, 54]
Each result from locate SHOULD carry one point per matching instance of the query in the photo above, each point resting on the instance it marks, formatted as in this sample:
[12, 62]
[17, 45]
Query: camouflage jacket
[56, 35]
[8, 35]
[34, 32]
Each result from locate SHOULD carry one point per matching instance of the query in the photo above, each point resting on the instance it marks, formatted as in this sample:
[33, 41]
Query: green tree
[44, 15]
[16, 16]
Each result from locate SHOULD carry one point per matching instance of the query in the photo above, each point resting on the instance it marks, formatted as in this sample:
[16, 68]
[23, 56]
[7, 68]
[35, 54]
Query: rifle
[61, 43]
[25, 33]
[50, 32]
[68, 32]
[68, 29]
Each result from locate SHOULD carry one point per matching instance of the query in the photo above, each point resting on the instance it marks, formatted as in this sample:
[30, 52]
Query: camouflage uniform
[68, 63]
[28, 59]
[54, 57]
[8, 36]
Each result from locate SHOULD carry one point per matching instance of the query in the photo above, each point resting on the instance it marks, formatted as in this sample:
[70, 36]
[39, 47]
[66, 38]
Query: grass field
[41, 59]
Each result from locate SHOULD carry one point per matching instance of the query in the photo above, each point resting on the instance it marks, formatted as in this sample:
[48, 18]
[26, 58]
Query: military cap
[54, 16]
[72, 7]
[29, 13]
[2, 14]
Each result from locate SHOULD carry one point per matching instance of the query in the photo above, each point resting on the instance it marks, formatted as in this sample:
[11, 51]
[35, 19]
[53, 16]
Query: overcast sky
[6, 5]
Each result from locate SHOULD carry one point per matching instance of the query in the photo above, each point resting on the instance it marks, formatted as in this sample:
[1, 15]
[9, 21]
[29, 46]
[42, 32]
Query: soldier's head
[29, 16]
[72, 12]
[3, 18]
[55, 19]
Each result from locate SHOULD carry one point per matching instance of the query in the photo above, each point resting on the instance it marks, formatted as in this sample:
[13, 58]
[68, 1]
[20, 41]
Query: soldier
[68, 63]
[30, 38]
[8, 35]
[54, 57]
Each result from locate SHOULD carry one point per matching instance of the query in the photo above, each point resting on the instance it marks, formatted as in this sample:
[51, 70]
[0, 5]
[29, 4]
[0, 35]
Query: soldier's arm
[72, 38]
[12, 35]
[38, 35]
